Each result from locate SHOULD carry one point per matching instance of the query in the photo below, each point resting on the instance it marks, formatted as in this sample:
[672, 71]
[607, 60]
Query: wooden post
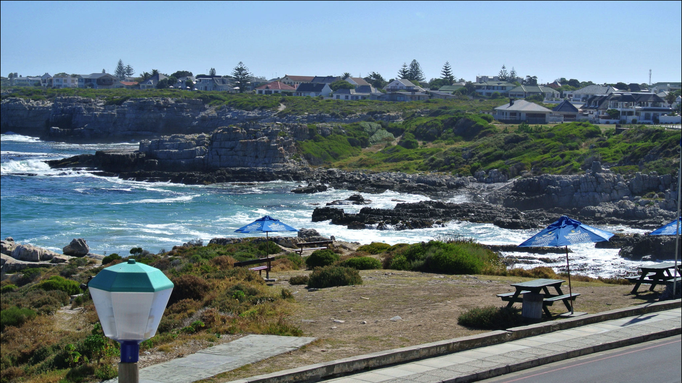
[128, 373]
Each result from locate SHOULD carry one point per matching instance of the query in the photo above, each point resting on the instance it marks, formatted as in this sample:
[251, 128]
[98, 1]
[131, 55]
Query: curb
[361, 363]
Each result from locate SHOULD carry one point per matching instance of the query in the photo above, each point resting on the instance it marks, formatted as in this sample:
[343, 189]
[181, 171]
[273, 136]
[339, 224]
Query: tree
[512, 75]
[129, 71]
[415, 72]
[341, 84]
[155, 72]
[376, 80]
[574, 83]
[504, 76]
[345, 75]
[404, 72]
[104, 71]
[436, 83]
[614, 114]
[145, 76]
[189, 84]
[670, 98]
[162, 84]
[241, 77]
[182, 73]
[470, 87]
[172, 81]
[446, 74]
[531, 80]
[622, 86]
[212, 72]
[120, 71]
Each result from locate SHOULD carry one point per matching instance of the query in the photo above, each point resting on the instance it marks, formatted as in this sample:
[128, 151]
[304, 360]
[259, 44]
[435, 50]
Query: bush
[456, 257]
[490, 318]
[8, 288]
[110, 258]
[15, 316]
[321, 258]
[362, 263]
[188, 287]
[374, 247]
[59, 283]
[298, 280]
[331, 276]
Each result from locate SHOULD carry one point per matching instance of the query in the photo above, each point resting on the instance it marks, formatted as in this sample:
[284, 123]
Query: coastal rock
[655, 248]
[310, 188]
[77, 248]
[32, 253]
[7, 245]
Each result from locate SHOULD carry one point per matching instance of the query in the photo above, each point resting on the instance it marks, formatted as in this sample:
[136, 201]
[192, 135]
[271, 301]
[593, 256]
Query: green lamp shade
[130, 299]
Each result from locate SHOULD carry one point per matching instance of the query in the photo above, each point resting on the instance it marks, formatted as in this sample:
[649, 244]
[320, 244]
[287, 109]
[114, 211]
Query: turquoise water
[50, 207]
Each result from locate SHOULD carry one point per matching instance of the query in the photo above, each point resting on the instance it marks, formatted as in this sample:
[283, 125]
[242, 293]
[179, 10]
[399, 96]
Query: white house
[214, 83]
[63, 80]
[296, 80]
[517, 111]
[313, 90]
[525, 91]
[490, 87]
[583, 94]
[275, 87]
[402, 85]
[362, 92]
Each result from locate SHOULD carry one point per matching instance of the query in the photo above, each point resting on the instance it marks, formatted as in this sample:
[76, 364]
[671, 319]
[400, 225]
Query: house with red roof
[275, 87]
[296, 80]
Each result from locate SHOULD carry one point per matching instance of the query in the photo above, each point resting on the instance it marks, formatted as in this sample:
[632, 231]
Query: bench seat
[551, 300]
[258, 268]
[509, 295]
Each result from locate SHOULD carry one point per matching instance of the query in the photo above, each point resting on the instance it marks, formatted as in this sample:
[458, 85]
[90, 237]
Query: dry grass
[428, 305]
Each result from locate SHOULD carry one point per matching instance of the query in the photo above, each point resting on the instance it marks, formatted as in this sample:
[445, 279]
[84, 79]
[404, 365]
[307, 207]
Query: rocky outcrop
[427, 214]
[77, 248]
[647, 247]
[595, 193]
[32, 253]
[79, 119]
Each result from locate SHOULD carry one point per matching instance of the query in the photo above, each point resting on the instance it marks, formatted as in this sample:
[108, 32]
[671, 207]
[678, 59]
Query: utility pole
[649, 77]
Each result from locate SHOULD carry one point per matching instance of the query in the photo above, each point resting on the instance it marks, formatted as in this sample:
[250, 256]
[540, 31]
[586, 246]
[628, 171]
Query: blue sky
[604, 42]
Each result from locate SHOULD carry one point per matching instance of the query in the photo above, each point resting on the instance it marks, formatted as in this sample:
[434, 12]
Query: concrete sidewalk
[497, 352]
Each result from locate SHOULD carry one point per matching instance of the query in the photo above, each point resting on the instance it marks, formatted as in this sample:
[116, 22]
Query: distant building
[313, 90]
[275, 87]
[296, 80]
[517, 111]
[63, 80]
[98, 81]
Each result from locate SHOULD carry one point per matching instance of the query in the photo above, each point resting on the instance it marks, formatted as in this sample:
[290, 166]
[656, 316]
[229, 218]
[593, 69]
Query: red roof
[129, 83]
[276, 85]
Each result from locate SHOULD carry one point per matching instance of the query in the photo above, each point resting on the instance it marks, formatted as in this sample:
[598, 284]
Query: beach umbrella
[565, 232]
[673, 228]
[266, 225]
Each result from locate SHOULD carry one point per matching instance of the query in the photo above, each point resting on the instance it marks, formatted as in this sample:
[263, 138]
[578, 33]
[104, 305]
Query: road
[657, 361]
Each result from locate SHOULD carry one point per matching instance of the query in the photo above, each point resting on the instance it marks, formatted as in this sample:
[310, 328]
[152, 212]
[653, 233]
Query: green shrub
[29, 275]
[188, 287]
[362, 263]
[321, 258]
[400, 262]
[15, 316]
[331, 276]
[59, 283]
[453, 260]
[491, 318]
[110, 258]
[8, 288]
[453, 257]
[374, 247]
[298, 280]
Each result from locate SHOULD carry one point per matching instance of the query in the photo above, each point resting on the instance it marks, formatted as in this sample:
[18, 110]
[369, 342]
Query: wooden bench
[260, 269]
[317, 245]
[550, 300]
[508, 296]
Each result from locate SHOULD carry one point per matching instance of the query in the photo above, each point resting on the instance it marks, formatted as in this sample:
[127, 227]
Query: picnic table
[317, 245]
[539, 286]
[655, 275]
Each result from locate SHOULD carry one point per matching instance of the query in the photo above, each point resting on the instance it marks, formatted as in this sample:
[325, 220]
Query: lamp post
[130, 299]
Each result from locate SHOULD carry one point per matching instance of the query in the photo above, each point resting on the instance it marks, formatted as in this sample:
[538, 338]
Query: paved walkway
[218, 359]
[486, 362]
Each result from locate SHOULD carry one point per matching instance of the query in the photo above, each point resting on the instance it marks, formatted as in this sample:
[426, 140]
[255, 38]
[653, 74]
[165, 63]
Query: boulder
[32, 253]
[7, 245]
[77, 248]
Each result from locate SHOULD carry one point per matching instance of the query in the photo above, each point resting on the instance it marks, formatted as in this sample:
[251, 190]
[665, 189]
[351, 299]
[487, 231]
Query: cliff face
[87, 119]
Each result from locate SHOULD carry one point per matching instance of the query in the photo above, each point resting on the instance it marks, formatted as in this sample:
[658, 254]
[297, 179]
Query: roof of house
[365, 89]
[523, 106]
[493, 83]
[359, 81]
[533, 89]
[449, 88]
[565, 106]
[129, 83]
[276, 85]
[595, 89]
[325, 79]
[300, 78]
[310, 87]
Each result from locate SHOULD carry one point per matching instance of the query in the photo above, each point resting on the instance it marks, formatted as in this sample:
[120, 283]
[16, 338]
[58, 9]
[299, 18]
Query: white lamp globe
[130, 299]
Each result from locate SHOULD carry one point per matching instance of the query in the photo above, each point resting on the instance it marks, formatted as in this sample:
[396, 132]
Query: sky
[603, 42]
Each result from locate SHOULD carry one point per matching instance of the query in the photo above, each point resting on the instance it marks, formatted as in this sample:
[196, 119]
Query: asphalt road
[658, 361]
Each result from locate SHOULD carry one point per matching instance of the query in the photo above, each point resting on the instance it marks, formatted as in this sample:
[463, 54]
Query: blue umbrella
[564, 232]
[265, 225]
[673, 228]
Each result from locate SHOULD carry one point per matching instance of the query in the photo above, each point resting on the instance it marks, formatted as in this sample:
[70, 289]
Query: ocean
[50, 207]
